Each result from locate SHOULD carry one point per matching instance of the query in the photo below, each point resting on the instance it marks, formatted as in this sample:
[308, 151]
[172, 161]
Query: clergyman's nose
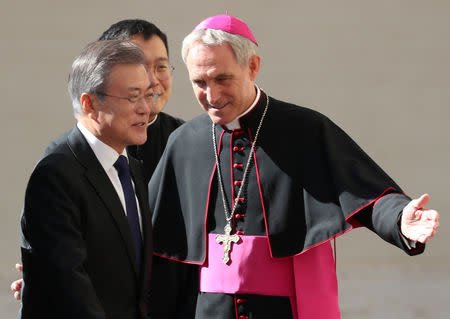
[212, 96]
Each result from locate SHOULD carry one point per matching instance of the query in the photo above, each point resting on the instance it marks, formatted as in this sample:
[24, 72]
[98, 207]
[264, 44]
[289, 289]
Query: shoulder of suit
[58, 153]
[59, 164]
[57, 142]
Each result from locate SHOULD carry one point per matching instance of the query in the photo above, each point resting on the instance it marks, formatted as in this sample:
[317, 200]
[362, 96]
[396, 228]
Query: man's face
[119, 122]
[156, 56]
[223, 87]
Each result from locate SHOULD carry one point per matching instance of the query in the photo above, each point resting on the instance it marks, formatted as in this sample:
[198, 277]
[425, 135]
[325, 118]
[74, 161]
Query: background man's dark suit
[91, 272]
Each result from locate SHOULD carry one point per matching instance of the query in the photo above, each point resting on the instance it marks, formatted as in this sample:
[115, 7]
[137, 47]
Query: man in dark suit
[85, 223]
[153, 43]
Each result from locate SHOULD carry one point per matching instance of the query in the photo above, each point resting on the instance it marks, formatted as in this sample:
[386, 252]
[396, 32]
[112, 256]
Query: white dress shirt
[107, 156]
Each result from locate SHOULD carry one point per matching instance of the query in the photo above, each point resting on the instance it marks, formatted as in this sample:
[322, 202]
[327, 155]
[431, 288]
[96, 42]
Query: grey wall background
[380, 69]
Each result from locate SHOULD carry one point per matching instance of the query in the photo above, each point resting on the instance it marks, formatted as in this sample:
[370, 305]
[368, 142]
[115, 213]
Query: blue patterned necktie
[123, 169]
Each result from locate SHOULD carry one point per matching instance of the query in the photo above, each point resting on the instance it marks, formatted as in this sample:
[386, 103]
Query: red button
[243, 317]
[237, 183]
[238, 165]
[239, 216]
[238, 132]
[239, 301]
[241, 199]
[240, 232]
[238, 149]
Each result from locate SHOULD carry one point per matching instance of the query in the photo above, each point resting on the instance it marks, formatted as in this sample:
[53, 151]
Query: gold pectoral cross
[227, 239]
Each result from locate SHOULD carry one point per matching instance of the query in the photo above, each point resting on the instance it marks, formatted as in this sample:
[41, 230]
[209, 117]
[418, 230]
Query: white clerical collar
[154, 120]
[235, 124]
[105, 154]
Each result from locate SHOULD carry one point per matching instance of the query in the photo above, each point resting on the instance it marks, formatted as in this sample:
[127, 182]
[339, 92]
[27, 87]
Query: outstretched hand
[419, 223]
[16, 286]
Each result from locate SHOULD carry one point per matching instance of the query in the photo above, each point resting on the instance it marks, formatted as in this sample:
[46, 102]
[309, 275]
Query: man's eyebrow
[133, 89]
[130, 89]
[224, 75]
[197, 79]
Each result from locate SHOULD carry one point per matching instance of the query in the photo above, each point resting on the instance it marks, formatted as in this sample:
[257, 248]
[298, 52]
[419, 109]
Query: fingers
[16, 286]
[431, 219]
[432, 215]
[421, 202]
[418, 214]
[17, 295]
[430, 225]
[425, 237]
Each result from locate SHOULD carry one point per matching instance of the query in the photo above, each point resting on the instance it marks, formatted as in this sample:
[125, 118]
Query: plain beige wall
[380, 69]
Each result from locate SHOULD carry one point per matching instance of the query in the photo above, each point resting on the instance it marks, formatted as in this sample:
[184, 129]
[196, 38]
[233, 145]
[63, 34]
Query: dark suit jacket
[77, 249]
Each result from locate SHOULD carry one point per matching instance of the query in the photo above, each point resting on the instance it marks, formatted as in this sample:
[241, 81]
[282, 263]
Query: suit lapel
[103, 186]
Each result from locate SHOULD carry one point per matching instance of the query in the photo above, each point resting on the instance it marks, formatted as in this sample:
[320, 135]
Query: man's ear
[254, 63]
[86, 101]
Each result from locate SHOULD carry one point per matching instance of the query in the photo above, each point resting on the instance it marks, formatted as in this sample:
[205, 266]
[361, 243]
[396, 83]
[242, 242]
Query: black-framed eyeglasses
[150, 98]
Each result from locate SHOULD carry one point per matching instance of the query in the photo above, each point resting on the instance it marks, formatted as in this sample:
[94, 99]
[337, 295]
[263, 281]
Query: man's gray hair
[242, 47]
[91, 69]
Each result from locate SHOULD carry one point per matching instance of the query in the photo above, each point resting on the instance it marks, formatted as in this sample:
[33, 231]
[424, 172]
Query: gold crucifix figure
[227, 239]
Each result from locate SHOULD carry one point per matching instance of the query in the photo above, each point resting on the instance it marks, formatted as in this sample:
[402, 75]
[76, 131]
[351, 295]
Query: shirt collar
[235, 124]
[105, 154]
[154, 120]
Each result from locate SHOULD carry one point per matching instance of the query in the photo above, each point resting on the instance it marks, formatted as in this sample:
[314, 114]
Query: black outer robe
[309, 179]
[151, 151]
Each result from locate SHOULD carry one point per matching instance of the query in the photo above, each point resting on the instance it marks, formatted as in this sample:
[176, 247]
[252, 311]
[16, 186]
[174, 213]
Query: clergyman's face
[223, 87]
[119, 122]
[156, 57]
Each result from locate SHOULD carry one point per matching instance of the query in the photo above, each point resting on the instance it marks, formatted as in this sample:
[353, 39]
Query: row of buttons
[238, 183]
[240, 301]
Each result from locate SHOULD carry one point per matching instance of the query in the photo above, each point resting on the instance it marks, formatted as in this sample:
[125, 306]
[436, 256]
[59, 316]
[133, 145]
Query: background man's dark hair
[126, 28]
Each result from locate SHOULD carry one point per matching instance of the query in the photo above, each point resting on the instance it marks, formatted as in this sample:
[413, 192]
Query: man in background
[153, 43]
